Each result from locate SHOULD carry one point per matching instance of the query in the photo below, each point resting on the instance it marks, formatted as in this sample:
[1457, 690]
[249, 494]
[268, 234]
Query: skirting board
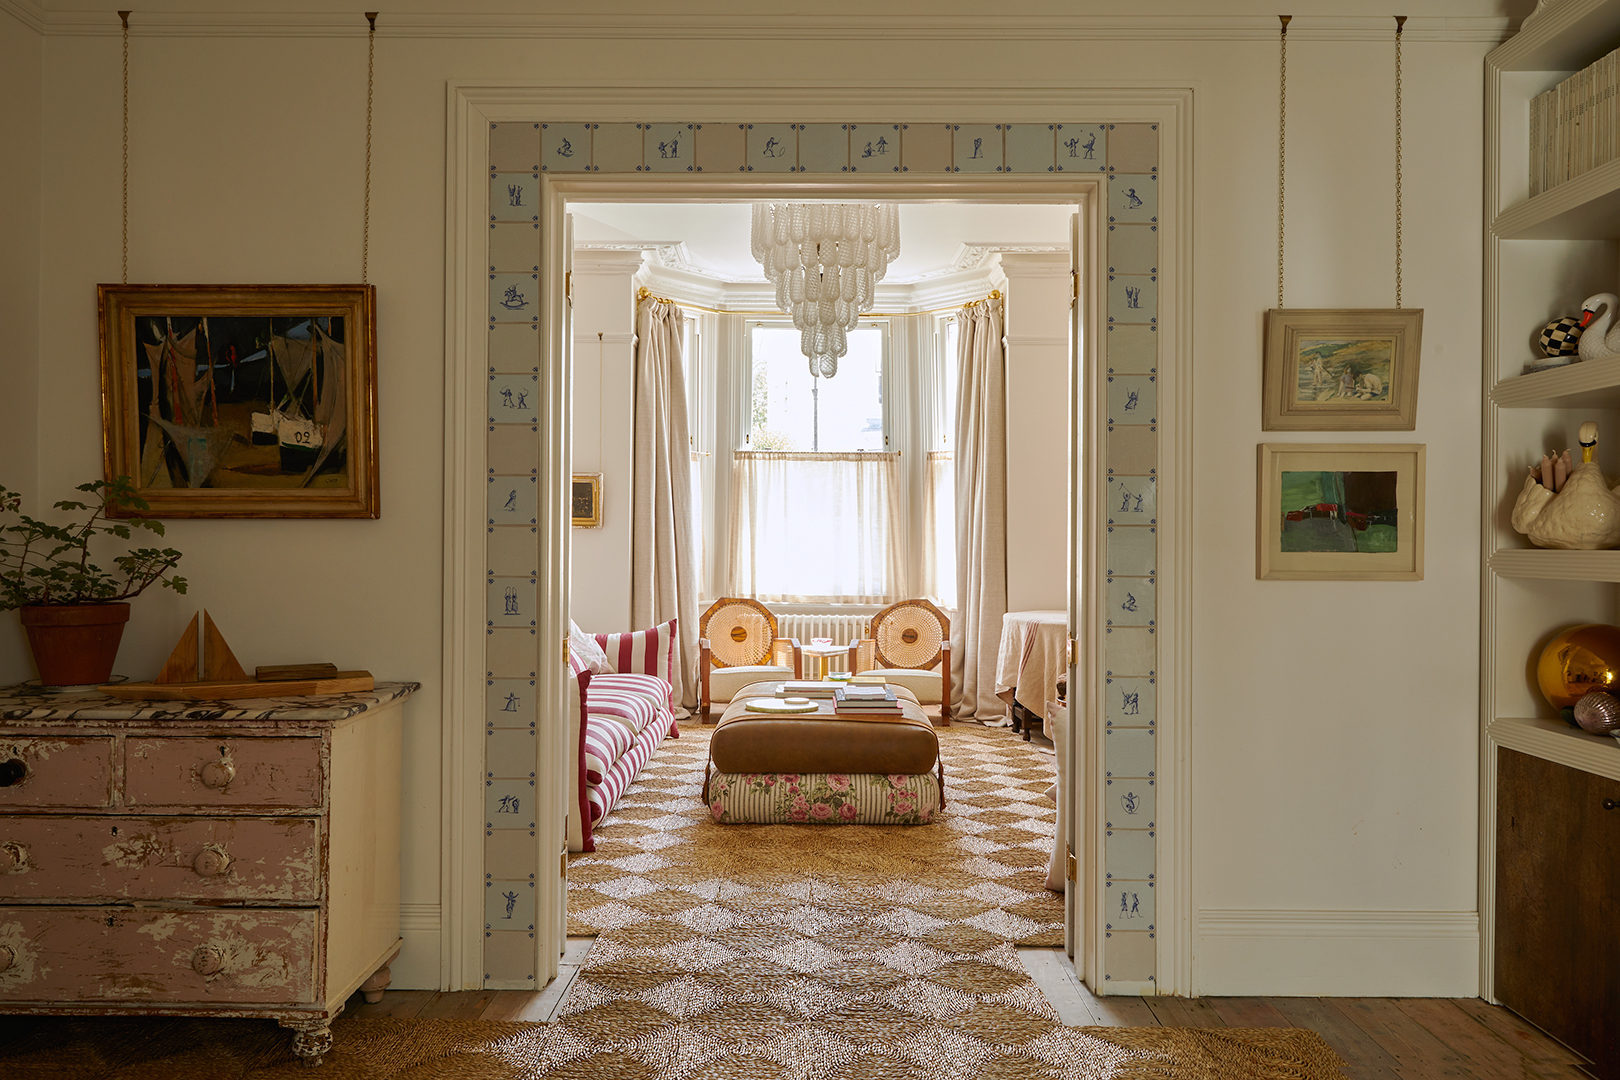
[1338, 953]
[418, 965]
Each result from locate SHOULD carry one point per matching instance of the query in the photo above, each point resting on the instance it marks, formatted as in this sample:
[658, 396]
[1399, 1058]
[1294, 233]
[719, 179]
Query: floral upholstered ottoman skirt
[824, 798]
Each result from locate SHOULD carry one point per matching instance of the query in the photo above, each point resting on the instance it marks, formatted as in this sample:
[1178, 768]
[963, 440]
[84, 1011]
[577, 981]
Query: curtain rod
[645, 293]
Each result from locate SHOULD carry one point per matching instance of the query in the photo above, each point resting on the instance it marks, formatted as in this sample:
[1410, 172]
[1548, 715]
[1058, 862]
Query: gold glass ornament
[1581, 659]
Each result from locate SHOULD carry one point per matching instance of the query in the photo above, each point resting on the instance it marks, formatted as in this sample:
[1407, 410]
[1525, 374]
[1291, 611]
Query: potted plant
[73, 610]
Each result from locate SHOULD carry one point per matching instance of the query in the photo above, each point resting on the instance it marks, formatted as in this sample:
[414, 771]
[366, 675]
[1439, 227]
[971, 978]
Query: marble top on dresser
[30, 703]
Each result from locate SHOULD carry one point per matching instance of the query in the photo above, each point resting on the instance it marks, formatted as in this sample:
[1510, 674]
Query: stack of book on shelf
[865, 699]
[805, 689]
[1575, 126]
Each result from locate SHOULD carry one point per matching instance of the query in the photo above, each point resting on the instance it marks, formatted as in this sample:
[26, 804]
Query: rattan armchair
[911, 642]
[737, 645]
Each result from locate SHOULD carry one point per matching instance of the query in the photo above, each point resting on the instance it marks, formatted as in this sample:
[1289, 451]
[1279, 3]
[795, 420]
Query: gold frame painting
[1333, 369]
[585, 497]
[242, 401]
[1340, 512]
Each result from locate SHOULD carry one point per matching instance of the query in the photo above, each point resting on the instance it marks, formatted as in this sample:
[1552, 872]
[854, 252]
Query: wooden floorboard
[1418, 1054]
[1184, 1012]
[1248, 1012]
[1365, 1058]
[1530, 1040]
[458, 1005]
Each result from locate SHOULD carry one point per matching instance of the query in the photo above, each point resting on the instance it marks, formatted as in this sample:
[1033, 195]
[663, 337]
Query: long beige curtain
[981, 511]
[663, 578]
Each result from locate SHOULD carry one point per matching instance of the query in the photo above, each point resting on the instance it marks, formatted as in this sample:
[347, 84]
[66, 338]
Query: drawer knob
[217, 774]
[1610, 804]
[13, 771]
[211, 861]
[207, 960]
[13, 856]
[7, 957]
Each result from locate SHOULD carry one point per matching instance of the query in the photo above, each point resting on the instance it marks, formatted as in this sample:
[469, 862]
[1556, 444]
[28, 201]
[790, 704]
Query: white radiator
[843, 629]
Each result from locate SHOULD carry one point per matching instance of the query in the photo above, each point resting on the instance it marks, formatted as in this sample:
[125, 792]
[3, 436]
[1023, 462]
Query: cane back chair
[911, 643]
[738, 646]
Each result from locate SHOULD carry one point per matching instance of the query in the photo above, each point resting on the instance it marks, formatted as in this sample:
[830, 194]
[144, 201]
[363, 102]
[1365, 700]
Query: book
[865, 699]
[805, 689]
[868, 680]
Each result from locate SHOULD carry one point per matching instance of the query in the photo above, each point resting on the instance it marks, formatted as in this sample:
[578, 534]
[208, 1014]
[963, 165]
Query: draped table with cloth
[1032, 657]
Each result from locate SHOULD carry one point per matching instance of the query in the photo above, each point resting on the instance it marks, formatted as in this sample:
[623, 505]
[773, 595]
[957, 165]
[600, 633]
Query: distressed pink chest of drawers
[233, 858]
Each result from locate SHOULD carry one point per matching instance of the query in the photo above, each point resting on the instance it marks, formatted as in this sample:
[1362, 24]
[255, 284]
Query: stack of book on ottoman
[865, 699]
[805, 689]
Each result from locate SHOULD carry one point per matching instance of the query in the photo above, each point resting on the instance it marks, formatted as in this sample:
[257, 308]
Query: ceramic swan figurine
[1577, 513]
[1598, 341]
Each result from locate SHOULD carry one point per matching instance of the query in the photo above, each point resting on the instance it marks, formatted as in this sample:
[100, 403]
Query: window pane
[794, 411]
[947, 366]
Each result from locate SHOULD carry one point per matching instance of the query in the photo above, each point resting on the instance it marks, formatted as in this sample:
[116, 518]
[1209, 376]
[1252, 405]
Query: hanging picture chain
[371, 67]
[1282, 147]
[124, 15]
[1400, 24]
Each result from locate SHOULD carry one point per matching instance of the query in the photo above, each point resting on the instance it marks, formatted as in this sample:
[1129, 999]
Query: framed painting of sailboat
[242, 400]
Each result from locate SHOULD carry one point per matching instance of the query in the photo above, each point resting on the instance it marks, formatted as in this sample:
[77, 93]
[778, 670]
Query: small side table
[819, 656]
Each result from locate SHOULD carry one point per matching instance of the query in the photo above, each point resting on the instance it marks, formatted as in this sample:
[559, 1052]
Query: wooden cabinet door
[1558, 903]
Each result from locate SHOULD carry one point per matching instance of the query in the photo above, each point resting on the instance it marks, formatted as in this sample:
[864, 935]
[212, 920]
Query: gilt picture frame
[585, 497]
[1341, 369]
[242, 401]
[1340, 512]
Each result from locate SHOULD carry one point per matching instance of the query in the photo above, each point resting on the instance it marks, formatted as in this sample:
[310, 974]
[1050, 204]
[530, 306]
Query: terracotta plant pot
[74, 644]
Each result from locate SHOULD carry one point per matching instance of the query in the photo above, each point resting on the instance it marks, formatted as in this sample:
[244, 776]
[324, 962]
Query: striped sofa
[620, 715]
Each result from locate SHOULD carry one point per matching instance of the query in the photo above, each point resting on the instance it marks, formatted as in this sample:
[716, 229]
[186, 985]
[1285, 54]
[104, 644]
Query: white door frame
[471, 108]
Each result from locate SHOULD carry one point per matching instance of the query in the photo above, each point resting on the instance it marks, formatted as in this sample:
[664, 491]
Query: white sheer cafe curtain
[663, 579]
[815, 528]
[981, 511]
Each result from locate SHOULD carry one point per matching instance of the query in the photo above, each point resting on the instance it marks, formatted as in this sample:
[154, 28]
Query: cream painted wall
[1334, 749]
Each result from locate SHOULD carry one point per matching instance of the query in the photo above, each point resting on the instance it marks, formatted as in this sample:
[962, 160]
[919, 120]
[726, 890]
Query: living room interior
[1325, 784]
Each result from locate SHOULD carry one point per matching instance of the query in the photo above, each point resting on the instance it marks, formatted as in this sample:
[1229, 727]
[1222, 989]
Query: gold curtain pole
[644, 293]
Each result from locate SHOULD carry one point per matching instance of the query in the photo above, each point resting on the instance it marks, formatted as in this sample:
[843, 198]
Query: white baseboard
[418, 965]
[1338, 953]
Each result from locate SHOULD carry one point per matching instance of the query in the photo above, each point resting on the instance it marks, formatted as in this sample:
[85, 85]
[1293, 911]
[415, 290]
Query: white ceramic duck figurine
[1598, 341]
[1579, 513]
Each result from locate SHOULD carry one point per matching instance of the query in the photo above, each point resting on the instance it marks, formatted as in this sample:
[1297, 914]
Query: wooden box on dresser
[1544, 255]
[227, 859]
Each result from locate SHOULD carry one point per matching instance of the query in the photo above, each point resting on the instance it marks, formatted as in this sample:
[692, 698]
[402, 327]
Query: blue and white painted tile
[1129, 803]
[514, 298]
[1130, 601]
[1133, 148]
[565, 147]
[1133, 449]
[824, 148]
[720, 148]
[508, 803]
[514, 197]
[512, 550]
[773, 148]
[1129, 961]
[925, 148]
[1129, 701]
[1130, 650]
[1129, 906]
[512, 500]
[1133, 298]
[1133, 249]
[874, 147]
[509, 703]
[508, 751]
[514, 347]
[1131, 552]
[1132, 348]
[511, 601]
[1131, 500]
[511, 654]
[514, 147]
[1128, 854]
[1133, 399]
[508, 905]
[513, 399]
[1030, 148]
[666, 147]
[511, 854]
[512, 449]
[514, 247]
[1133, 197]
[1129, 752]
[509, 960]
[976, 148]
[616, 148]
[1082, 148]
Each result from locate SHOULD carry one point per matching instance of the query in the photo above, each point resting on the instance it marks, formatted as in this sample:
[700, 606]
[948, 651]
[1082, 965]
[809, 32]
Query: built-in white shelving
[1593, 384]
[1555, 740]
[1556, 565]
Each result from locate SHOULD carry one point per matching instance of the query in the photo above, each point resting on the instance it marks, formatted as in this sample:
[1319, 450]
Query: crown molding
[29, 14]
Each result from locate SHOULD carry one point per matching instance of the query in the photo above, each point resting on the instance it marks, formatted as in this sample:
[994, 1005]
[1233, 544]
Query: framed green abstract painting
[1340, 512]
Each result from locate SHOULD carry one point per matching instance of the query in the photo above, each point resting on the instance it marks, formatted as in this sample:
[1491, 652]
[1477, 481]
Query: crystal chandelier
[825, 259]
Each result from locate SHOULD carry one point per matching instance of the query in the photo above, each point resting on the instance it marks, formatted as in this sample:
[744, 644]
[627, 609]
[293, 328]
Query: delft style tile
[1131, 552]
[509, 703]
[1130, 602]
[1129, 906]
[720, 147]
[1082, 148]
[514, 247]
[1129, 702]
[1128, 854]
[1133, 249]
[565, 147]
[1131, 500]
[1129, 957]
[1128, 803]
[514, 347]
[511, 853]
[514, 297]
[1129, 753]
[1132, 399]
[512, 449]
[1133, 197]
[1133, 298]
[824, 148]
[512, 500]
[511, 601]
[773, 148]
[514, 147]
[514, 197]
[508, 905]
[512, 550]
[509, 804]
[1133, 148]
[616, 148]
[1130, 650]
[509, 960]
[1132, 349]
[1132, 450]
[1030, 148]
[925, 148]
[513, 400]
[977, 147]
[874, 148]
[510, 654]
[509, 752]
[666, 148]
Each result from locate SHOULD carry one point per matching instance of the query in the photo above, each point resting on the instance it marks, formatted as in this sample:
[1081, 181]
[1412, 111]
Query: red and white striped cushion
[603, 797]
[649, 688]
[636, 710]
[607, 739]
[645, 652]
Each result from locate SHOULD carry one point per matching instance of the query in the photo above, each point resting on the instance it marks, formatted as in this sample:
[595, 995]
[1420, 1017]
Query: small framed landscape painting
[586, 499]
[1340, 512]
[250, 401]
[1341, 369]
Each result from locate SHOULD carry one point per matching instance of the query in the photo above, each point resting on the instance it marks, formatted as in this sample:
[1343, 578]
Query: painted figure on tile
[1124, 904]
[1131, 400]
[1136, 906]
[514, 300]
[1130, 602]
[1133, 296]
[774, 147]
[1128, 703]
[511, 902]
[978, 149]
[1131, 201]
[566, 149]
[1072, 145]
[511, 703]
[511, 501]
[670, 149]
[1090, 146]
[509, 805]
[511, 602]
[522, 400]
[1125, 497]
[506, 397]
[1129, 802]
[877, 149]
[514, 194]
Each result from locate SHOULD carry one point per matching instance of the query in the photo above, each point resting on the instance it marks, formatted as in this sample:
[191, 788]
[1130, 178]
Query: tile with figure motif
[874, 147]
[824, 148]
[514, 247]
[1129, 906]
[1130, 601]
[1129, 803]
[514, 147]
[1132, 348]
[773, 148]
[1131, 500]
[509, 752]
[1133, 249]
[512, 500]
[509, 960]
[509, 703]
[1129, 702]
[508, 905]
[514, 197]
[509, 803]
[512, 550]
[512, 449]
[1030, 148]
[720, 148]
[977, 147]
[616, 148]
[666, 147]
[1132, 551]
[1133, 148]
[1129, 752]
[565, 147]
[514, 297]
[1082, 148]
[1132, 399]
[1128, 854]
[1133, 298]
[1133, 197]
[1130, 650]
[925, 148]
[510, 654]
[514, 347]
[1133, 450]
[511, 601]
[513, 399]
[1129, 957]
[511, 853]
